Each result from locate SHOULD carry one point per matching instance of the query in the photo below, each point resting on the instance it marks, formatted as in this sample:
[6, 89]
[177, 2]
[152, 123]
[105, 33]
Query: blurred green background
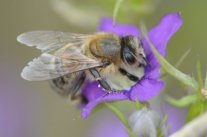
[32, 109]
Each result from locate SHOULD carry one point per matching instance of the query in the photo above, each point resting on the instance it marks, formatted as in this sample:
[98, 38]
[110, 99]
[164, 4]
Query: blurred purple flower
[102, 128]
[12, 113]
[176, 118]
[150, 86]
[106, 125]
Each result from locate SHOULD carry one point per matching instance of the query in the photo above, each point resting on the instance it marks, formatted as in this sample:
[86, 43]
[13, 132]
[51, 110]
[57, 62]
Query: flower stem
[183, 57]
[205, 85]
[180, 61]
[116, 9]
[121, 117]
[183, 102]
[199, 74]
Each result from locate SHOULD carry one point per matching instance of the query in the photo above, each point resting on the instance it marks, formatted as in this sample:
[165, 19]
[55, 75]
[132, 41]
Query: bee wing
[48, 41]
[49, 66]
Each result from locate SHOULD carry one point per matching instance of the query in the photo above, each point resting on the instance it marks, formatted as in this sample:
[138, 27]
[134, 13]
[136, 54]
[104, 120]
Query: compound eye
[129, 58]
[128, 55]
[128, 50]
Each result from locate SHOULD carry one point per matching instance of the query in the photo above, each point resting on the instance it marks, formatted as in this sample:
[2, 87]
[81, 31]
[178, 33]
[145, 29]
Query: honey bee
[68, 60]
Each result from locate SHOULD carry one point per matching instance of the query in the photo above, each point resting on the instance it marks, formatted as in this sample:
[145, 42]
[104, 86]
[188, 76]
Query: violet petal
[161, 34]
[111, 97]
[146, 90]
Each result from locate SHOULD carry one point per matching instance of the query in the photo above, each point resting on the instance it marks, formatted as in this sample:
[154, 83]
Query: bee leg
[76, 90]
[101, 81]
[106, 63]
[80, 99]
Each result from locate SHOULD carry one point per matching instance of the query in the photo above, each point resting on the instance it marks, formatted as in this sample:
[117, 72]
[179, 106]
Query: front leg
[100, 80]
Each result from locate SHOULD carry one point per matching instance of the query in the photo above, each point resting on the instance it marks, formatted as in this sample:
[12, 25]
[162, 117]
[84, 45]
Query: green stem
[180, 61]
[205, 85]
[199, 74]
[116, 9]
[183, 57]
[121, 117]
[183, 102]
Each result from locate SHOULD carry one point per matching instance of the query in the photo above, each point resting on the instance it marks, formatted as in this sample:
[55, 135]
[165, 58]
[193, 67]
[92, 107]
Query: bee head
[131, 49]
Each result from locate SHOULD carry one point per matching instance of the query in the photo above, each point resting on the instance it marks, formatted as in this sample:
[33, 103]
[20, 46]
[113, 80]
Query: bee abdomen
[69, 84]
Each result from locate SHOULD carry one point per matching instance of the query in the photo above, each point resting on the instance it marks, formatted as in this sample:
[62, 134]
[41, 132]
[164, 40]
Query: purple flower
[176, 118]
[106, 125]
[150, 86]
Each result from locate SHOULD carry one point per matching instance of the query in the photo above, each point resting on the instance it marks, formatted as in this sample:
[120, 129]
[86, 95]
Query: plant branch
[195, 128]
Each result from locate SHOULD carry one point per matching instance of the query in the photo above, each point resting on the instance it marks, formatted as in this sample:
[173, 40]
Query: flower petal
[161, 34]
[96, 96]
[106, 25]
[146, 90]
[152, 74]
[91, 91]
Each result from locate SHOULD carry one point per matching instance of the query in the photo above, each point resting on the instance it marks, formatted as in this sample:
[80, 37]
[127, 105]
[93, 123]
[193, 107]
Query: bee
[69, 60]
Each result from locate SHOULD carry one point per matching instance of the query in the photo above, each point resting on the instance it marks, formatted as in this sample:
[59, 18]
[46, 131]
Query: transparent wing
[49, 66]
[48, 41]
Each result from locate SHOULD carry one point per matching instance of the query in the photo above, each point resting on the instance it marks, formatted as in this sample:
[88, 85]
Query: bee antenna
[139, 83]
[148, 64]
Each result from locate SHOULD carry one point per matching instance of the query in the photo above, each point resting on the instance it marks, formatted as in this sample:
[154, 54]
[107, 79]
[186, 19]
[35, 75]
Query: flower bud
[144, 122]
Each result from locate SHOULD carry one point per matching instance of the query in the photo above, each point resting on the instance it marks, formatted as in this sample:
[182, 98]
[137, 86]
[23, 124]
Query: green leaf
[121, 117]
[196, 109]
[182, 77]
[163, 123]
[137, 104]
[183, 102]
